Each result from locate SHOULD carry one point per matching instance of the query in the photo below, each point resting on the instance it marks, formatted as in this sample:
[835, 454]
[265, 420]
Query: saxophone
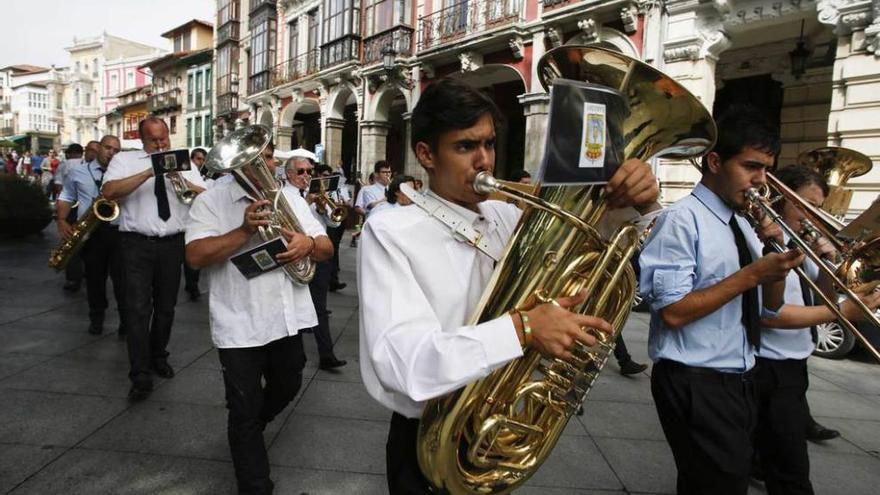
[493, 434]
[101, 210]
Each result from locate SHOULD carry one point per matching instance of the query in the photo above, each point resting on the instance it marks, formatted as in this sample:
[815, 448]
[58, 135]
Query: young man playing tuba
[424, 282]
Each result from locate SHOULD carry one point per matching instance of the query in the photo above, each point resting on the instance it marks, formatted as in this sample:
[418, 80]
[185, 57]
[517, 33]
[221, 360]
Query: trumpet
[337, 212]
[855, 266]
[184, 194]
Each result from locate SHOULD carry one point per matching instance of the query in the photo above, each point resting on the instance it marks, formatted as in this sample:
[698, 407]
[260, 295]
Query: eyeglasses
[301, 171]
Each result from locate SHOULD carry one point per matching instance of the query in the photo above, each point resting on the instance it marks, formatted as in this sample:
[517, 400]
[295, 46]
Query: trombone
[855, 264]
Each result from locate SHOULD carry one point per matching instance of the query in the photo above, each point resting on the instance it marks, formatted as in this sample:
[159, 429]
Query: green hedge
[24, 208]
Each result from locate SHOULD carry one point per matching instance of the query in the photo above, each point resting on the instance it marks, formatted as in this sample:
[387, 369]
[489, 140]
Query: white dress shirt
[249, 313]
[138, 211]
[419, 286]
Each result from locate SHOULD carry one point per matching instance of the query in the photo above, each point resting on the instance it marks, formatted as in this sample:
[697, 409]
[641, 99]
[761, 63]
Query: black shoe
[337, 286]
[140, 391]
[331, 363]
[96, 328]
[163, 369]
[194, 294]
[580, 411]
[71, 286]
[328, 311]
[818, 433]
[631, 367]
[121, 333]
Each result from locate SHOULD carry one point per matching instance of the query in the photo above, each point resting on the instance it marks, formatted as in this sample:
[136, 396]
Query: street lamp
[388, 56]
[799, 56]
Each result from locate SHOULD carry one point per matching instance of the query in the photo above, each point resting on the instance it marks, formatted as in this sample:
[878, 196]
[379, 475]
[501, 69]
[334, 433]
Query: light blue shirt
[690, 248]
[790, 343]
[80, 186]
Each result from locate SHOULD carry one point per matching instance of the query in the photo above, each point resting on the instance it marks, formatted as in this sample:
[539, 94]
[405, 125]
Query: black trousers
[401, 459]
[102, 254]
[780, 438]
[318, 287]
[152, 280]
[75, 269]
[252, 404]
[708, 418]
[191, 278]
[620, 352]
[335, 235]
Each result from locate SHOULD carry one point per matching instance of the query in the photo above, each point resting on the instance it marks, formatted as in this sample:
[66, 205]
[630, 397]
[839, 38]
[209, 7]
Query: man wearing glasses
[373, 195]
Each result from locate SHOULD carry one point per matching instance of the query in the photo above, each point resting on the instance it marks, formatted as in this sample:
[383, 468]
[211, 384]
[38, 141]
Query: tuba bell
[492, 435]
[837, 165]
[242, 151]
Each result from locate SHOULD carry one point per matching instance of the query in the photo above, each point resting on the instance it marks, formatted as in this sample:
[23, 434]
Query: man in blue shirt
[101, 253]
[700, 273]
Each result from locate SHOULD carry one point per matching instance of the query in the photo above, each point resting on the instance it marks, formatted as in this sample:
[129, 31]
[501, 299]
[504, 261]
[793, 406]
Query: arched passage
[342, 130]
[390, 107]
[300, 125]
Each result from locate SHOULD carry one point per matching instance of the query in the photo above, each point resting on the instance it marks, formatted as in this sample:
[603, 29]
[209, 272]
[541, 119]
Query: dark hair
[448, 105]
[74, 148]
[320, 169]
[798, 176]
[519, 175]
[394, 187]
[744, 126]
[372, 177]
[192, 154]
[379, 165]
[149, 119]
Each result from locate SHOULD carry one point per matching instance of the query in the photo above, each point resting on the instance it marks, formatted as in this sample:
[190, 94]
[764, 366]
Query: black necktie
[162, 198]
[750, 318]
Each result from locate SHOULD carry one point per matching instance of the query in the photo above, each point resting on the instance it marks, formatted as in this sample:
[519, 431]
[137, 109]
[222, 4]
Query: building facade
[170, 74]
[346, 74]
[26, 107]
[199, 99]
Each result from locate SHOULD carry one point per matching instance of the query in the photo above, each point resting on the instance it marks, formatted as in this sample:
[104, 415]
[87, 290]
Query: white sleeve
[202, 221]
[403, 339]
[195, 177]
[116, 170]
[360, 200]
[310, 225]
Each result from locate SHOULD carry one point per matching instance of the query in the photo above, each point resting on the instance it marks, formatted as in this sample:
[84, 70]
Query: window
[76, 97]
[172, 127]
[382, 15]
[262, 56]
[88, 99]
[114, 84]
[227, 10]
[340, 19]
[189, 89]
[199, 90]
[208, 86]
[94, 67]
[197, 141]
[293, 40]
[129, 83]
[313, 29]
[209, 134]
[189, 133]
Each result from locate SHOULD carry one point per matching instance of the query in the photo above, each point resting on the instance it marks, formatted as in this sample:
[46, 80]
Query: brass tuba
[493, 434]
[101, 210]
[837, 165]
[242, 151]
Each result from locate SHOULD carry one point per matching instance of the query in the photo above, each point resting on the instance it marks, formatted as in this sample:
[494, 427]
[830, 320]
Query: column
[411, 164]
[535, 108]
[373, 139]
[333, 140]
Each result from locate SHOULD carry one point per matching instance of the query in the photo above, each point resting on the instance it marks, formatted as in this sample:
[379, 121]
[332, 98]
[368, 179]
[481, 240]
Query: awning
[15, 137]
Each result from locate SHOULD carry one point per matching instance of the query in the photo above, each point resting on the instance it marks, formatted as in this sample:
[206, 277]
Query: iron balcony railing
[344, 49]
[165, 100]
[465, 18]
[297, 68]
[552, 4]
[227, 32]
[227, 103]
[399, 38]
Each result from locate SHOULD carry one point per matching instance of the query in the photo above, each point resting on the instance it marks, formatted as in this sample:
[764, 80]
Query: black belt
[154, 238]
[706, 372]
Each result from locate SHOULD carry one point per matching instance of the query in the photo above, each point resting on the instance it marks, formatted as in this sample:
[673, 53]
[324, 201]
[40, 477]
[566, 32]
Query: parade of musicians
[440, 247]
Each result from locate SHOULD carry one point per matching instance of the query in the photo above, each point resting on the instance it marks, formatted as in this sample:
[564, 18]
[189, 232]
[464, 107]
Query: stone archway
[611, 39]
[341, 129]
[389, 117]
[300, 125]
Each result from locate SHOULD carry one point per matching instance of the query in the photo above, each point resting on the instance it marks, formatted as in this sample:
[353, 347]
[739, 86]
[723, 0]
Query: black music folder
[260, 259]
[585, 135]
[327, 184]
[170, 161]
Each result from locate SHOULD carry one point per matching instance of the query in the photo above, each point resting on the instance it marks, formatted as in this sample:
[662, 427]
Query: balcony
[228, 32]
[167, 100]
[465, 18]
[4, 107]
[84, 113]
[554, 4]
[7, 131]
[344, 49]
[296, 69]
[130, 134]
[227, 103]
[399, 38]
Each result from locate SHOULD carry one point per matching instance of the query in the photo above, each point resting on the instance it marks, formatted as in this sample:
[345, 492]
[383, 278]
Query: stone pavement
[65, 426]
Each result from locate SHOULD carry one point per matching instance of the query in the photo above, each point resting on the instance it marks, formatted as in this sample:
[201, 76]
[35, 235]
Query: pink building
[121, 75]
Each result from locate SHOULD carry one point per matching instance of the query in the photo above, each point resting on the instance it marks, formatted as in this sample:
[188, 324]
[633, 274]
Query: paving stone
[576, 463]
[341, 399]
[100, 472]
[47, 418]
[642, 465]
[545, 490]
[11, 364]
[19, 339]
[622, 420]
[339, 444]
[106, 348]
[21, 461]
[842, 473]
[194, 386]
[324, 482]
[611, 386]
[864, 434]
[104, 378]
[841, 405]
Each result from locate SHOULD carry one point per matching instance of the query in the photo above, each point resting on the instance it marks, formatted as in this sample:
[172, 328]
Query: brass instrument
[493, 434]
[837, 165]
[101, 210]
[241, 154]
[859, 261]
[337, 212]
[184, 194]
